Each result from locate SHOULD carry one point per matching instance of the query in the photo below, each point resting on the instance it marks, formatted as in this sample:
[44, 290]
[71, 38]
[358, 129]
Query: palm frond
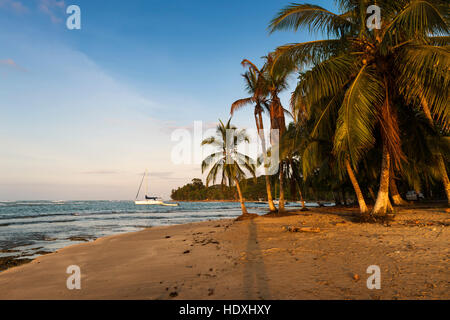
[296, 55]
[357, 116]
[418, 18]
[313, 17]
[238, 104]
[424, 72]
[327, 78]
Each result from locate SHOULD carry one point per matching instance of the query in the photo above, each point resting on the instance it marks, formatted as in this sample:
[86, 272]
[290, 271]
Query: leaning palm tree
[317, 128]
[357, 73]
[227, 161]
[272, 82]
[258, 98]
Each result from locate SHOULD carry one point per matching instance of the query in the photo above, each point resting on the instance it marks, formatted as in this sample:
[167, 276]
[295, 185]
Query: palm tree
[227, 161]
[317, 126]
[357, 73]
[253, 80]
[274, 81]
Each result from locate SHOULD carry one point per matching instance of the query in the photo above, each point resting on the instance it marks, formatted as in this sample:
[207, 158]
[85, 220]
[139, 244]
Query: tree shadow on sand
[255, 277]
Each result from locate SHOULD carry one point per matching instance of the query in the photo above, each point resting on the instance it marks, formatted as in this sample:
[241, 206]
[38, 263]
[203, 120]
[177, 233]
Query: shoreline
[253, 259]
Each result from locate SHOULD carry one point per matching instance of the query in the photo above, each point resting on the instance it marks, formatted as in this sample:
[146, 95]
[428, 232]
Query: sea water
[28, 228]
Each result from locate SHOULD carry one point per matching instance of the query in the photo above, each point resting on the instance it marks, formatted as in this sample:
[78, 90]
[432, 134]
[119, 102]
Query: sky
[84, 112]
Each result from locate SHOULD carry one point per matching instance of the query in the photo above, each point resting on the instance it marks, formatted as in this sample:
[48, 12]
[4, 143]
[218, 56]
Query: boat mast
[140, 186]
[146, 180]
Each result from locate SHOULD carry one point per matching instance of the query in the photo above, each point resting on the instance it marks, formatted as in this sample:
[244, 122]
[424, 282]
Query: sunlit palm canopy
[227, 162]
[355, 73]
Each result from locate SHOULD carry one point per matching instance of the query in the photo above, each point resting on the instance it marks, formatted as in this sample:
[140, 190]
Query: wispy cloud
[13, 5]
[52, 8]
[101, 172]
[11, 63]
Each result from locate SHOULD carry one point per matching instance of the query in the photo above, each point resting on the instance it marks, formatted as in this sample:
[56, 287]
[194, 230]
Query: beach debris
[356, 277]
[173, 294]
[210, 292]
[302, 229]
[187, 251]
[167, 237]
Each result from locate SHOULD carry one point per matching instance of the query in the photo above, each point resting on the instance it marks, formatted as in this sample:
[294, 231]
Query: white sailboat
[150, 200]
[147, 200]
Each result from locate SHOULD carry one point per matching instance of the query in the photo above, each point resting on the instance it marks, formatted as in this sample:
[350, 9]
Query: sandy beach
[253, 259]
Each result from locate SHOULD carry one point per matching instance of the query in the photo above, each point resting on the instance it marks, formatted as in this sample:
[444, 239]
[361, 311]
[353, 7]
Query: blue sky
[83, 112]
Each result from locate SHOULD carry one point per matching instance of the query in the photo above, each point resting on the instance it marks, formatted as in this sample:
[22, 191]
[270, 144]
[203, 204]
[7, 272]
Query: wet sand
[252, 259]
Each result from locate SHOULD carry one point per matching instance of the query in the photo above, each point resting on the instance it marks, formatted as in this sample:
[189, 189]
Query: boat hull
[148, 202]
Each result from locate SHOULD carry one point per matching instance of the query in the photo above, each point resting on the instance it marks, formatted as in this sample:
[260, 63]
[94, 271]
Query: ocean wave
[40, 222]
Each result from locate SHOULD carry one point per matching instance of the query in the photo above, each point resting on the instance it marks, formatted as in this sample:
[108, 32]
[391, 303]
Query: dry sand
[254, 259]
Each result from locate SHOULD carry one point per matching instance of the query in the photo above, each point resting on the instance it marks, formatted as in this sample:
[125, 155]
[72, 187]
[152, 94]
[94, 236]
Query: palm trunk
[444, 175]
[301, 198]
[260, 126]
[359, 194]
[297, 179]
[398, 201]
[442, 169]
[381, 205]
[241, 199]
[278, 122]
[390, 208]
[281, 200]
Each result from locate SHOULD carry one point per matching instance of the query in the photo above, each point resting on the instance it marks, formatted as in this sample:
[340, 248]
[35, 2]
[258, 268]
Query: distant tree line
[252, 190]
